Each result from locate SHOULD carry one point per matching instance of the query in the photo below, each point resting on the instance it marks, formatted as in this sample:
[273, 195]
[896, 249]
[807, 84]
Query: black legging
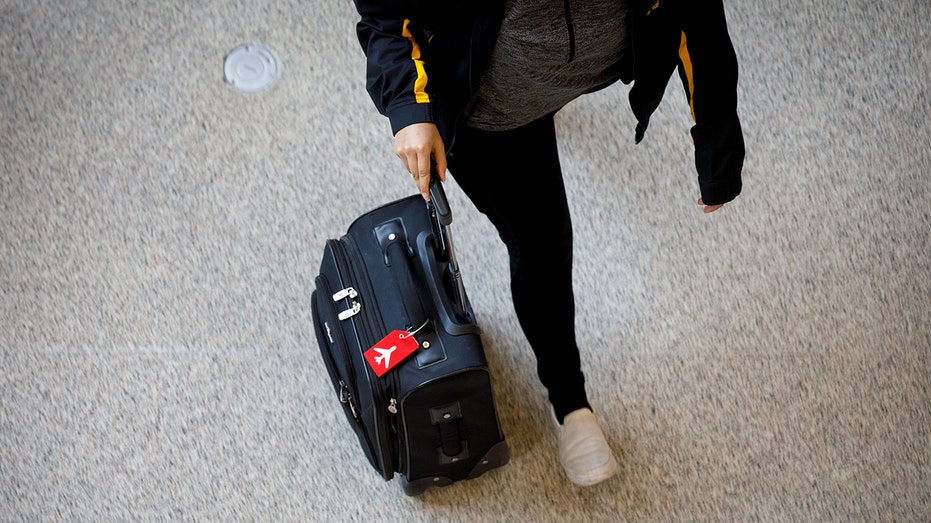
[514, 178]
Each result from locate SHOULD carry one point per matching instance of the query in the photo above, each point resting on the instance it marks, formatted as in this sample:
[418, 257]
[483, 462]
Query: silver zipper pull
[354, 307]
[348, 292]
[393, 406]
[350, 312]
[346, 397]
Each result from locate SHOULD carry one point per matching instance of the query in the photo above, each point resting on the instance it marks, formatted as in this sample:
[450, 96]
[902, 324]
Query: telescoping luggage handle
[439, 202]
[442, 218]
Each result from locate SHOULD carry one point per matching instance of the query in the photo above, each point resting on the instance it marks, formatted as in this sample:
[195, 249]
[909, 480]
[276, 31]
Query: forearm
[708, 67]
[395, 76]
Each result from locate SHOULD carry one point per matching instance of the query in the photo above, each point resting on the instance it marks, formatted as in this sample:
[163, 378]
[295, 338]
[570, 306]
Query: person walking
[472, 87]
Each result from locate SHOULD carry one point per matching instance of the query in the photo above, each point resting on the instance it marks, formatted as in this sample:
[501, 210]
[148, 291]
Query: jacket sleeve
[708, 70]
[395, 76]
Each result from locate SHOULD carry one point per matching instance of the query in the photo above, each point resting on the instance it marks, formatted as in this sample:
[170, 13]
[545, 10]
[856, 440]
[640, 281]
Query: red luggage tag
[390, 351]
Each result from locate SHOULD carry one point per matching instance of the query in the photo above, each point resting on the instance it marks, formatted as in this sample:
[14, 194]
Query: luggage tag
[391, 351]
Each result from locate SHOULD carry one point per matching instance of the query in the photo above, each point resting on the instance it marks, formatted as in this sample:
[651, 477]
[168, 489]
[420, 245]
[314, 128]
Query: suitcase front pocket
[338, 363]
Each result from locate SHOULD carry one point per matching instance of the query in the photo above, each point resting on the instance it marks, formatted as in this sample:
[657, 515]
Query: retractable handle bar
[440, 204]
[442, 217]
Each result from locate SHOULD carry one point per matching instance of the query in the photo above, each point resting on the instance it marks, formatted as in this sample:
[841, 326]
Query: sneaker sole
[594, 476]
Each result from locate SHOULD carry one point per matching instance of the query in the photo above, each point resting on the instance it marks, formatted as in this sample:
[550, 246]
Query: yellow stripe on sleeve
[687, 68]
[420, 84]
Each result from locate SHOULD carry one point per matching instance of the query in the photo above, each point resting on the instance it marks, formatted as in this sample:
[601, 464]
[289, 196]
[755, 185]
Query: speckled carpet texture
[160, 231]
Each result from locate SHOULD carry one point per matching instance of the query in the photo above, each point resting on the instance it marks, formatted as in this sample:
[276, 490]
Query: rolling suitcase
[400, 343]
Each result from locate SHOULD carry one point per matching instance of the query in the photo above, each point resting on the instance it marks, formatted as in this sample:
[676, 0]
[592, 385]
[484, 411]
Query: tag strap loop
[415, 331]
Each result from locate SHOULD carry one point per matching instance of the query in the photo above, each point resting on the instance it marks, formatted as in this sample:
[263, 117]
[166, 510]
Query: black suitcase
[432, 417]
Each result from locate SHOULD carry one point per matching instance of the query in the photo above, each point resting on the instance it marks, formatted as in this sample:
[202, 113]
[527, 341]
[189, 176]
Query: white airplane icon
[385, 355]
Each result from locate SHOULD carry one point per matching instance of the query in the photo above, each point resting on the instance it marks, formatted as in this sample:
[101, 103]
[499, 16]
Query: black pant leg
[514, 178]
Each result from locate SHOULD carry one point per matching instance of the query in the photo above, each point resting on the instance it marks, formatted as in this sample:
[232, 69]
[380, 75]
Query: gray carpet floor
[160, 233]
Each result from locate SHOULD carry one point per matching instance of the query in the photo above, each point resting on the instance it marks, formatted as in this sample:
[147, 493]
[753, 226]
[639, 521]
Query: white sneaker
[583, 451]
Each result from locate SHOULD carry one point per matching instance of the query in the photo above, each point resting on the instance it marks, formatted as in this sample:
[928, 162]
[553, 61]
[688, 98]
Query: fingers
[440, 160]
[417, 145]
[417, 163]
[422, 175]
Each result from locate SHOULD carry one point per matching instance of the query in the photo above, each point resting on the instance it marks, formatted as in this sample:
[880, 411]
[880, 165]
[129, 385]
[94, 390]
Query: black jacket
[425, 59]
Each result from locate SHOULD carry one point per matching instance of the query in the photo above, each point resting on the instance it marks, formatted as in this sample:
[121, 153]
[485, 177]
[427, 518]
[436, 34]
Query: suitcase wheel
[419, 486]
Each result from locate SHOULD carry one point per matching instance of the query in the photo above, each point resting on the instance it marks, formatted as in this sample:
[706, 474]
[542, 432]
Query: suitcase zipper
[398, 424]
